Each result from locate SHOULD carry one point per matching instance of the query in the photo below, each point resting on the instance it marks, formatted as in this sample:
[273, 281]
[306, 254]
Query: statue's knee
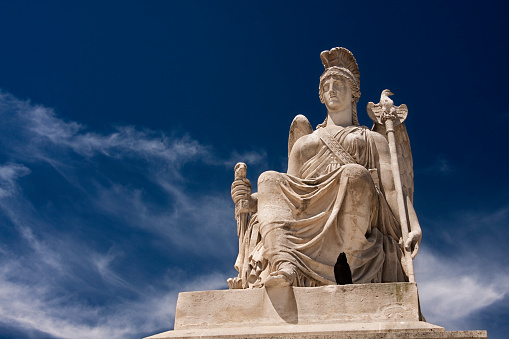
[356, 172]
[268, 179]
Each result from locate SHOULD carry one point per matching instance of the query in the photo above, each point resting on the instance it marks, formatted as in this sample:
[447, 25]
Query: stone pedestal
[349, 311]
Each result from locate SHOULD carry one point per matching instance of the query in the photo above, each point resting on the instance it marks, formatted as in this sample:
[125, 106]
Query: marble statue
[348, 189]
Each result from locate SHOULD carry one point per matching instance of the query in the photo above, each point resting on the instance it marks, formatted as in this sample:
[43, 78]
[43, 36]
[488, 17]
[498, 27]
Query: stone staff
[385, 113]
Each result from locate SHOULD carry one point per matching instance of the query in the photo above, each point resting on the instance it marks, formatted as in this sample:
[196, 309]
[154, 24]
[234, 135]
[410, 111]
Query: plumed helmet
[340, 62]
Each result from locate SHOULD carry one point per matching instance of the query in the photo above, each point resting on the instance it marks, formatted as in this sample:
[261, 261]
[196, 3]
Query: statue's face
[337, 94]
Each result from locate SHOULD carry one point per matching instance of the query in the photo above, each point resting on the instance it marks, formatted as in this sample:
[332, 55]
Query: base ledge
[381, 330]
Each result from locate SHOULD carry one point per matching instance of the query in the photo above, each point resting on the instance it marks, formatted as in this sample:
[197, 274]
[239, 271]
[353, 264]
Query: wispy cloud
[81, 259]
[46, 133]
[209, 216]
[249, 157]
[42, 137]
[73, 277]
[40, 306]
[43, 133]
[440, 166]
[9, 173]
[466, 274]
[453, 289]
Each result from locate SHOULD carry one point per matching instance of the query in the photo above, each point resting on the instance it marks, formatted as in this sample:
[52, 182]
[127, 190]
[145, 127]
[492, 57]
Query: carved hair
[340, 62]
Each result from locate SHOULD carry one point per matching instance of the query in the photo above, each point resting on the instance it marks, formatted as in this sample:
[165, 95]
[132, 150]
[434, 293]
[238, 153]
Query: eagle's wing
[374, 111]
[300, 127]
[401, 112]
[404, 152]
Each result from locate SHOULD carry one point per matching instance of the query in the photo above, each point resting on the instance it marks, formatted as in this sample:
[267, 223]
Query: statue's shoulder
[304, 148]
[300, 128]
[308, 142]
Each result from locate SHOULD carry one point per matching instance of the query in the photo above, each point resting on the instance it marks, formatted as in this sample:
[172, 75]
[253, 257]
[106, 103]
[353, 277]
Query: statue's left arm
[406, 172]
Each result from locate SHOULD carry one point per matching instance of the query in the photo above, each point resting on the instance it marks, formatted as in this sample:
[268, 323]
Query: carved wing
[300, 126]
[401, 112]
[374, 111]
[401, 109]
[406, 166]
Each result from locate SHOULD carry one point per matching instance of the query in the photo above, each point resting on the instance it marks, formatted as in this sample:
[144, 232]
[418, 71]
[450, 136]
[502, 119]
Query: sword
[241, 215]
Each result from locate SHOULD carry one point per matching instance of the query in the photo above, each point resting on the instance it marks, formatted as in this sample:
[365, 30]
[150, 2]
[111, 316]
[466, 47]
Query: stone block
[367, 311]
[297, 305]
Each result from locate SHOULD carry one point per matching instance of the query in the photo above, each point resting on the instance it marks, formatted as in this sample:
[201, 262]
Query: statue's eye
[326, 87]
[338, 85]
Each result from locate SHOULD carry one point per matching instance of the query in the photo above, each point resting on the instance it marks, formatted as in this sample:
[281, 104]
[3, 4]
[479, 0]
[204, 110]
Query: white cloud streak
[441, 166]
[41, 287]
[43, 133]
[454, 289]
[34, 306]
[33, 292]
[250, 158]
[43, 137]
[9, 173]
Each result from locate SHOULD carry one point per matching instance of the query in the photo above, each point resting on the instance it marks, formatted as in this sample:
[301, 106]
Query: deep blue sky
[121, 122]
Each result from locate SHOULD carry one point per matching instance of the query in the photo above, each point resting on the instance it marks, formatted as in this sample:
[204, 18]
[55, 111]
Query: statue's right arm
[295, 160]
[241, 189]
[303, 150]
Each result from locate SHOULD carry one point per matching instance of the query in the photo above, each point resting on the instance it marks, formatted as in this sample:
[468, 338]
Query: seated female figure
[337, 196]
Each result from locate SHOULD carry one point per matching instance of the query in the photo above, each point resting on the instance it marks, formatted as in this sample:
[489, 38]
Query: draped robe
[331, 207]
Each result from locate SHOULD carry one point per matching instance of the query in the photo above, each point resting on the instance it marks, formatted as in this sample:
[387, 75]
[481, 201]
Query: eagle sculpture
[379, 113]
[385, 109]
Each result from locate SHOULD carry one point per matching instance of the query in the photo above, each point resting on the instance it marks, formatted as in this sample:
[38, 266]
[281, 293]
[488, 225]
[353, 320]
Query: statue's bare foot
[282, 277]
[257, 284]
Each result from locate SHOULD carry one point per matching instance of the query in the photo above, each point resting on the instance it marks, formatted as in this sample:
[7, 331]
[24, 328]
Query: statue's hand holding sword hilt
[241, 190]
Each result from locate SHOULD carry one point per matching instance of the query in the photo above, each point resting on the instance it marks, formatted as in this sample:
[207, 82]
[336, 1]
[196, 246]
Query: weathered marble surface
[349, 311]
[360, 303]
[348, 189]
[331, 331]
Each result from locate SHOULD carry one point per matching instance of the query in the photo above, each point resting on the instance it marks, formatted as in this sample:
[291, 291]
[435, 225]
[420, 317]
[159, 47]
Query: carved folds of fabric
[331, 208]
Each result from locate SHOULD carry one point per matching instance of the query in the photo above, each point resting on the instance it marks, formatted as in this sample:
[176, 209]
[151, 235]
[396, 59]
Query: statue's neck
[340, 118]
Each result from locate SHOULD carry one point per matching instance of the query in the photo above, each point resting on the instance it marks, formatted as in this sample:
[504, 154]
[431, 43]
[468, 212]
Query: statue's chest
[354, 144]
